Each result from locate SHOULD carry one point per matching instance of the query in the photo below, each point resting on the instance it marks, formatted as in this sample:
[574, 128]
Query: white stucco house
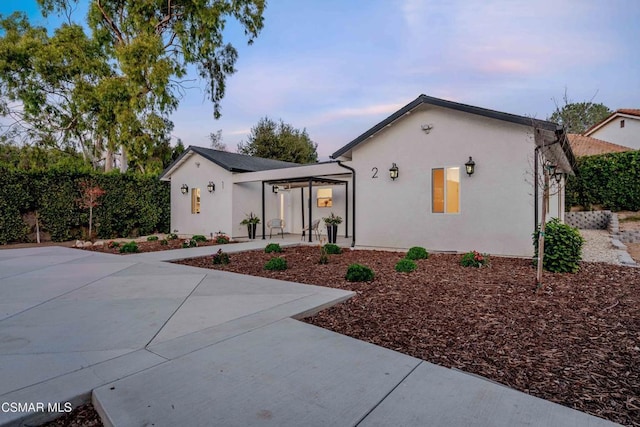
[402, 183]
[621, 127]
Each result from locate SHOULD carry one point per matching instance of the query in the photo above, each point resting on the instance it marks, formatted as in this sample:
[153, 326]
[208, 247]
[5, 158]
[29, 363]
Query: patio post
[346, 209]
[310, 207]
[263, 212]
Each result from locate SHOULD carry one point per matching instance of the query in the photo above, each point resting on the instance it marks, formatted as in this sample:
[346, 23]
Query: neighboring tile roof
[586, 146]
[232, 162]
[629, 111]
[625, 111]
[424, 99]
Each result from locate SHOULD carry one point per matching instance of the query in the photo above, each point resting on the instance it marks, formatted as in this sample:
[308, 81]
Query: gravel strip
[598, 248]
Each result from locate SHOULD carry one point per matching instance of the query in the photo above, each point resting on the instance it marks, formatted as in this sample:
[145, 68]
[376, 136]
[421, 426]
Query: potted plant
[332, 222]
[251, 221]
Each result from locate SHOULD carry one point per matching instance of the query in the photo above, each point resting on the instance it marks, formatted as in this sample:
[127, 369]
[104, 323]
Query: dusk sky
[337, 67]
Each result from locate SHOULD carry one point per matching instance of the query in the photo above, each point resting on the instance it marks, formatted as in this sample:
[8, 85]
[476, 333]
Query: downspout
[353, 195]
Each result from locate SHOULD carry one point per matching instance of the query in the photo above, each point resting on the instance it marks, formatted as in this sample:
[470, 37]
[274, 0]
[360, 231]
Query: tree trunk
[124, 162]
[37, 228]
[108, 160]
[90, 220]
[545, 196]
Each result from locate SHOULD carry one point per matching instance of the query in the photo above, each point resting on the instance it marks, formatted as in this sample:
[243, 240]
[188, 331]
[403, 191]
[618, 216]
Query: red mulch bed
[576, 343]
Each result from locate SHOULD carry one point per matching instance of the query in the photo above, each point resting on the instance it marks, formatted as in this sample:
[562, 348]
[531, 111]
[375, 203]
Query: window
[445, 190]
[195, 200]
[324, 198]
[621, 123]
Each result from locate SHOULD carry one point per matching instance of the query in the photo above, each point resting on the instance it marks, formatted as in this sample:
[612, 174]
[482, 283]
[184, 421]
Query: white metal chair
[312, 229]
[276, 223]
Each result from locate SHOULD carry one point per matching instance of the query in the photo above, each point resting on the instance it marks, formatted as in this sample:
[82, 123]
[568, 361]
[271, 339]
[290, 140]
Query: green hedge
[132, 204]
[608, 180]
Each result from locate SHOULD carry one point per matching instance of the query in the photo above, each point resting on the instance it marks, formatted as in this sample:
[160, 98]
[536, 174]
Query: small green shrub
[359, 273]
[221, 238]
[474, 259]
[164, 242]
[172, 236]
[199, 238]
[417, 252]
[221, 258]
[276, 264]
[129, 248]
[152, 238]
[273, 247]
[113, 244]
[189, 244]
[406, 265]
[332, 249]
[562, 247]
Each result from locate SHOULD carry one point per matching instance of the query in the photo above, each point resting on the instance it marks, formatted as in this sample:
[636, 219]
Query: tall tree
[152, 42]
[280, 141]
[216, 141]
[577, 117]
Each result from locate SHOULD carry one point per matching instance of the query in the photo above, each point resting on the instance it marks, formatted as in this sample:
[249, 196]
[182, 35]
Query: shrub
[562, 247]
[113, 244]
[172, 236]
[221, 258]
[130, 248]
[199, 238]
[332, 249]
[189, 244]
[359, 273]
[276, 263]
[164, 242]
[221, 238]
[417, 252]
[152, 238]
[273, 247]
[474, 259]
[406, 265]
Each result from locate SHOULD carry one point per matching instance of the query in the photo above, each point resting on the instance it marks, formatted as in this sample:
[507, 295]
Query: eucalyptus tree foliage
[48, 85]
[146, 46]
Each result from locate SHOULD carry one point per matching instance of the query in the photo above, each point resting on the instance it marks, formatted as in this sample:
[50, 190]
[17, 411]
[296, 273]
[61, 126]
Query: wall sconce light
[558, 177]
[394, 172]
[470, 166]
[274, 189]
[211, 187]
[184, 189]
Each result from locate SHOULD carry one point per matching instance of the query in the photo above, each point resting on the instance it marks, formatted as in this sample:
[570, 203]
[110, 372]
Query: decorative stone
[99, 243]
[78, 244]
[87, 244]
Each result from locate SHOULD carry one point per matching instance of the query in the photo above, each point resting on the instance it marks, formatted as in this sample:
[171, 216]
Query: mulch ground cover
[576, 342]
[152, 246]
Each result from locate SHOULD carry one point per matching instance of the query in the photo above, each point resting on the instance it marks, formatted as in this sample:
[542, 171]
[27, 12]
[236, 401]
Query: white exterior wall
[215, 208]
[629, 135]
[496, 202]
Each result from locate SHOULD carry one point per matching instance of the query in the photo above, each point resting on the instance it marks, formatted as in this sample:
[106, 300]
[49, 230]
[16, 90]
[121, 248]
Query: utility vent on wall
[426, 128]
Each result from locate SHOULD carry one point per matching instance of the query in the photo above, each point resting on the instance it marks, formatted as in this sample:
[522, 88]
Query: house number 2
[375, 172]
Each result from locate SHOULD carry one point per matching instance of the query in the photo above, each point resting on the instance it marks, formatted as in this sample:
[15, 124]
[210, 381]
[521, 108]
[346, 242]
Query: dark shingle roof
[424, 99]
[232, 162]
[235, 162]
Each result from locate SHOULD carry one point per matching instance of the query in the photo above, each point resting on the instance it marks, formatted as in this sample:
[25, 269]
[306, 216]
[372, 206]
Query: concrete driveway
[162, 344]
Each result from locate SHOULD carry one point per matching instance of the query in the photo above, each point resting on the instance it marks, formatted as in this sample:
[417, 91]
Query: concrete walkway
[164, 344]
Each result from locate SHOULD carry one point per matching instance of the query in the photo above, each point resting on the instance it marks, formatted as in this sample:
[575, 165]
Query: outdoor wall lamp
[274, 188]
[558, 177]
[211, 187]
[470, 166]
[393, 172]
[184, 189]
